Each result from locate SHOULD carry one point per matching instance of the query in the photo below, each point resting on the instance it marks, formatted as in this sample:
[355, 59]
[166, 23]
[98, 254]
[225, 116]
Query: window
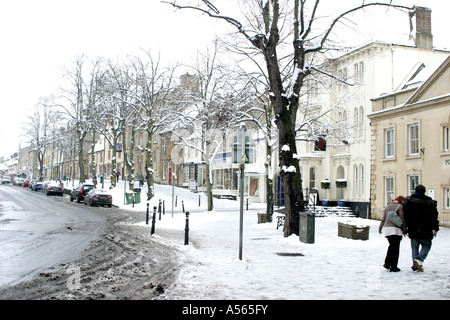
[358, 180]
[312, 178]
[312, 88]
[356, 73]
[389, 143]
[361, 122]
[361, 73]
[342, 123]
[342, 75]
[413, 139]
[164, 171]
[446, 138]
[189, 172]
[413, 181]
[361, 180]
[447, 198]
[254, 187]
[388, 190]
[201, 181]
[358, 69]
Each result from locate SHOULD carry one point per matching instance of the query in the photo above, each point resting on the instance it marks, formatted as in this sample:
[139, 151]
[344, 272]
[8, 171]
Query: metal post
[173, 193]
[242, 157]
[147, 215]
[159, 209]
[199, 200]
[153, 220]
[241, 216]
[182, 205]
[164, 207]
[186, 230]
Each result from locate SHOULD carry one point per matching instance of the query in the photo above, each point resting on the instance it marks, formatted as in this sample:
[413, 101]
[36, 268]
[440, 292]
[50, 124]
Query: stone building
[372, 70]
[411, 140]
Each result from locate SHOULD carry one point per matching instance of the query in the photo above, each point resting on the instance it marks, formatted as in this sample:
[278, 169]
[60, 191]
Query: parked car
[26, 182]
[6, 179]
[32, 183]
[81, 191]
[98, 197]
[18, 181]
[44, 185]
[37, 186]
[54, 188]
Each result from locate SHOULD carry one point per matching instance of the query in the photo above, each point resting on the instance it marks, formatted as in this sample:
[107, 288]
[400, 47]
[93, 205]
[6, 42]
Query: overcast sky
[39, 37]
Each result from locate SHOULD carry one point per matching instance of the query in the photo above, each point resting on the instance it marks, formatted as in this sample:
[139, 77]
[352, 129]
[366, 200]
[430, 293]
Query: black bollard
[159, 209]
[199, 200]
[153, 220]
[164, 207]
[147, 215]
[186, 230]
[182, 205]
[176, 201]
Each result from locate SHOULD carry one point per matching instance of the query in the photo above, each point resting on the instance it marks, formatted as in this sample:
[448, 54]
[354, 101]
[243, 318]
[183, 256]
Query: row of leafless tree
[118, 99]
[275, 51]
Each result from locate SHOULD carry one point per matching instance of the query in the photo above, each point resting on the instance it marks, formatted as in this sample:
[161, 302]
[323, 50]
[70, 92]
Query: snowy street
[129, 263]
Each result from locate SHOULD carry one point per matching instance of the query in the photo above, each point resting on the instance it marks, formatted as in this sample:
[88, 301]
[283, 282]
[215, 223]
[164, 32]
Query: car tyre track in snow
[124, 262]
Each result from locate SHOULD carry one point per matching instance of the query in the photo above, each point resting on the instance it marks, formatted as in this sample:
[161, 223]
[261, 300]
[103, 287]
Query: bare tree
[300, 20]
[39, 130]
[78, 102]
[154, 104]
[212, 93]
[116, 113]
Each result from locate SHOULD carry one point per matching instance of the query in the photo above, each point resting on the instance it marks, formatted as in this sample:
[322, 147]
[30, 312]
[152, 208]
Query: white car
[19, 181]
[6, 179]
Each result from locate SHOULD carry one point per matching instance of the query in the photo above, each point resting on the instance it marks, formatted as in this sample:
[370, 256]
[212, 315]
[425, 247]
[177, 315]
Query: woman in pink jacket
[393, 233]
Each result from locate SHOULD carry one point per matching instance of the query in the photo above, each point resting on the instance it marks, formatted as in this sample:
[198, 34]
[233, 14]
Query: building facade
[366, 72]
[411, 141]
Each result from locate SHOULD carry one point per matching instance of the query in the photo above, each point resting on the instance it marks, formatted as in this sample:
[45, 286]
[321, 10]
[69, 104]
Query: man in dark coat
[421, 217]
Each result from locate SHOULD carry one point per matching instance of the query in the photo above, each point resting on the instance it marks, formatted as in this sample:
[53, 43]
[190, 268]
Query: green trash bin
[137, 195]
[129, 197]
[307, 227]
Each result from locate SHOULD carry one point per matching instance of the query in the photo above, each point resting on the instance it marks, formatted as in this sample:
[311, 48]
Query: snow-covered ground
[331, 268]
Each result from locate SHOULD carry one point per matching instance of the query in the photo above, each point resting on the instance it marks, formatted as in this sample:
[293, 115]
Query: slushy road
[38, 232]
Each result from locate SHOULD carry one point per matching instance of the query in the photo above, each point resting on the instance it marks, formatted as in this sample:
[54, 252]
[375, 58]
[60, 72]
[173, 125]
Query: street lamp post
[241, 157]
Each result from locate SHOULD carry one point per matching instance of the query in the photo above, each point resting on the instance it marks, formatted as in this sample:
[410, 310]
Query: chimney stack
[424, 37]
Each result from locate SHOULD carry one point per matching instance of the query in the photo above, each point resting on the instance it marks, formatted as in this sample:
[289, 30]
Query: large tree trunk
[269, 183]
[290, 173]
[81, 158]
[285, 108]
[93, 164]
[129, 156]
[149, 164]
[114, 176]
[208, 178]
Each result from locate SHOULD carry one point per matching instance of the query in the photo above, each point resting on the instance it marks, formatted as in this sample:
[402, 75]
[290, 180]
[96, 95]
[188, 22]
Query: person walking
[421, 217]
[393, 233]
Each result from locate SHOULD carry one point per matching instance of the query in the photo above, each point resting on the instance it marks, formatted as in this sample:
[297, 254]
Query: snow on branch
[332, 76]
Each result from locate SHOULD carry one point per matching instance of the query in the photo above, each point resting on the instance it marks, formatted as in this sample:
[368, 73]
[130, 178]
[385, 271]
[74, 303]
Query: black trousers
[393, 251]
